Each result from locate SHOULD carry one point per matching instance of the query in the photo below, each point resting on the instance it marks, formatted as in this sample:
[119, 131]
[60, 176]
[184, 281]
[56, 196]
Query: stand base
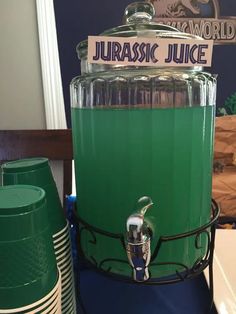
[101, 294]
[188, 273]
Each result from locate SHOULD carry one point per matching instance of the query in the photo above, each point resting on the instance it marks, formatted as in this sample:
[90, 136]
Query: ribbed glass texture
[137, 89]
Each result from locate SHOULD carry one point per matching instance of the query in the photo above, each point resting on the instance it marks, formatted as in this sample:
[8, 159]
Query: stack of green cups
[37, 172]
[29, 278]
[62, 246]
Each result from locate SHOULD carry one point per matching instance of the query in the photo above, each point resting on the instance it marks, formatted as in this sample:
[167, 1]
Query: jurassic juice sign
[139, 51]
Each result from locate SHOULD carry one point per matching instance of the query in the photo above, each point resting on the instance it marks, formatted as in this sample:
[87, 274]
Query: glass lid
[138, 22]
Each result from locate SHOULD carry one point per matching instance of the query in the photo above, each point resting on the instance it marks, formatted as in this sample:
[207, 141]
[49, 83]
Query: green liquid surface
[122, 155]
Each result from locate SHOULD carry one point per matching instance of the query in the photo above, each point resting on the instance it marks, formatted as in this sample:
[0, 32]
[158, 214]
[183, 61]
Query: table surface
[100, 293]
[103, 295]
[225, 271]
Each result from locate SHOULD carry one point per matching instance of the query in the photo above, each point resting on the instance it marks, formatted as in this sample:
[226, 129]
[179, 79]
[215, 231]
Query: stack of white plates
[62, 247]
[49, 304]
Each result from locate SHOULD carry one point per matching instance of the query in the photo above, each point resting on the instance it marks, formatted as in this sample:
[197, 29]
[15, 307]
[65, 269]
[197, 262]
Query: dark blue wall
[76, 19]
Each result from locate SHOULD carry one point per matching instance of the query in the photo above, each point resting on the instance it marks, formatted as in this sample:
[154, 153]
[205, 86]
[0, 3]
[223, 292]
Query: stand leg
[80, 305]
[211, 286]
[210, 268]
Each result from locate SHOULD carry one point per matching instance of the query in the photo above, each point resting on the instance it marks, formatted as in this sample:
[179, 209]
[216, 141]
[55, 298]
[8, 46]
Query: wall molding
[50, 64]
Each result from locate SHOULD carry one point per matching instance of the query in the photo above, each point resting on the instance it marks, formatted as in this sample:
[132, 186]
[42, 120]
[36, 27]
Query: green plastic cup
[37, 172]
[28, 269]
[54, 297]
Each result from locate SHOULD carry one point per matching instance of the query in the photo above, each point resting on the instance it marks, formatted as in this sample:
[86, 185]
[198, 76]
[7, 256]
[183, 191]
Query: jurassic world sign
[198, 17]
[138, 51]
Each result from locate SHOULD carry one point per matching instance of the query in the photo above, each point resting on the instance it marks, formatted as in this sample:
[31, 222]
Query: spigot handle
[138, 246]
[136, 222]
[143, 204]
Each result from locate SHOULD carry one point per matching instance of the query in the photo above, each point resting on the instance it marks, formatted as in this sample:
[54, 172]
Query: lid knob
[139, 12]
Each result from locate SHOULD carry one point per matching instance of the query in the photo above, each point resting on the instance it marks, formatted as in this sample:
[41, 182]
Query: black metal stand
[188, 272]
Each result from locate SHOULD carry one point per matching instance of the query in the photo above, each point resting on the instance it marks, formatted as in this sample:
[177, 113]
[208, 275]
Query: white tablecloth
[225, 272]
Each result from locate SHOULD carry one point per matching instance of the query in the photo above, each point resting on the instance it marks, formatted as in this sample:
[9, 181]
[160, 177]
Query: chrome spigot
[138, 246]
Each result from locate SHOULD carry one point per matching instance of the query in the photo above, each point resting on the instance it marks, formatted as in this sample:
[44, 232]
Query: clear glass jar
[143, 131]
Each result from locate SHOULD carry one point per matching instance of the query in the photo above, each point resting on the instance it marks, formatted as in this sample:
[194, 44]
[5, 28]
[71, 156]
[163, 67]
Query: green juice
[124, 154]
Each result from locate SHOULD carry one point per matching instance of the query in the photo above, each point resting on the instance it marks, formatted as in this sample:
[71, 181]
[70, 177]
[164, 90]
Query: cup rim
[67, 251]
[64, 256]
[68, 246]
[58, 310]
[37, 163]
[69, 298]
[66, 295]
[58, 240]
[65, 241]
[69, 293]
[26, 208]
[65, 273]
[55, 235]
[69, 306]
[49, 305]
[68, 274]
[64, 263]
[37, 303]
[50, 310]
[64, 284]
[70, 282]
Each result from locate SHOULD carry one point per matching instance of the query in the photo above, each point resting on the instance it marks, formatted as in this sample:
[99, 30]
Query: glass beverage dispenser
[143, 149]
